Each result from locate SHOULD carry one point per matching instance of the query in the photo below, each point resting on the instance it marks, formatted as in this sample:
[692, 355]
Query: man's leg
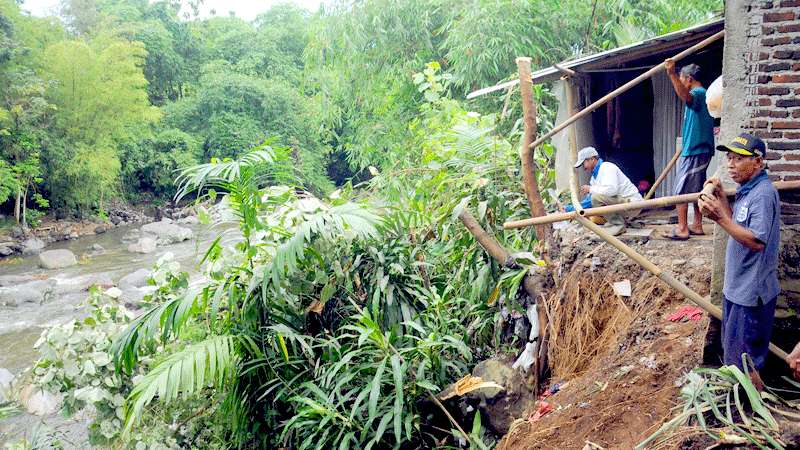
[747, 329]
[615, 223]
[682, 229]
[697, 223]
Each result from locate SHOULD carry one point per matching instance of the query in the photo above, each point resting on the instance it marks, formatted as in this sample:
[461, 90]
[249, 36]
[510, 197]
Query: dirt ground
[630, 387]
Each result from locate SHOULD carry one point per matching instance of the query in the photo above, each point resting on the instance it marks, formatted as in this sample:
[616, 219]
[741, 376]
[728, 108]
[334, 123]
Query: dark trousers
[746, 329]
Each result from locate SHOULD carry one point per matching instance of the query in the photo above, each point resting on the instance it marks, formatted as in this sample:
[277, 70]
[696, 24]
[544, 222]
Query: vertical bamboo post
[573, 146]
[526, 154]
[663, 175]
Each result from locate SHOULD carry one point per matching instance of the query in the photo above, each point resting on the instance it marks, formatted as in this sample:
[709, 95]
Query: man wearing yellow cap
[751, 259]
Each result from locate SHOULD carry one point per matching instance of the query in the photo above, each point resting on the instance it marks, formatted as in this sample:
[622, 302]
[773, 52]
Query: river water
[46, 297]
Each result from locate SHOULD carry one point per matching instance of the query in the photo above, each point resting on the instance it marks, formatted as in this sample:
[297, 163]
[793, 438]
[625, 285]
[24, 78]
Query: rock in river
[57, 259]
[166, 233]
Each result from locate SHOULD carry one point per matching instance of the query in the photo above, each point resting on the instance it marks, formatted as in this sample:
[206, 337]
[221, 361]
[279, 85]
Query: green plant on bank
[725, 404]
[75, 360]
[331, 319]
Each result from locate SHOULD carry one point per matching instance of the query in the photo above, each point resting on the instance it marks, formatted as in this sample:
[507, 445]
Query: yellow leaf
[465, 385]
[283, 348]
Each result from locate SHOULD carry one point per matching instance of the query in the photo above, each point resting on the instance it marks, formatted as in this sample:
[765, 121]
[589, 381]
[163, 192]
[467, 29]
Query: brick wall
[773, 55]
[773, 44]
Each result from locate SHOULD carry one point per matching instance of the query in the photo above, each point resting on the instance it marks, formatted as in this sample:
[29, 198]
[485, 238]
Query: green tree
[100, 94]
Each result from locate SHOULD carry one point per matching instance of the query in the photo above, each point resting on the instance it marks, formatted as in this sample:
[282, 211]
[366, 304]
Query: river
[58, 294]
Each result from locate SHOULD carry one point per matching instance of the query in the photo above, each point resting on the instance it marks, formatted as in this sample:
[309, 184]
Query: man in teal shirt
[698, 145]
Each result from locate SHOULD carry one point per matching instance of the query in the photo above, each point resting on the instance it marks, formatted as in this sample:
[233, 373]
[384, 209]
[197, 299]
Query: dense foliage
[115, 96]
[339, 150]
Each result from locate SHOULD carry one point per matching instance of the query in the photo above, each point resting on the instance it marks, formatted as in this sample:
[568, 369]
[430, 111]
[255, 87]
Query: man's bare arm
[680, 89]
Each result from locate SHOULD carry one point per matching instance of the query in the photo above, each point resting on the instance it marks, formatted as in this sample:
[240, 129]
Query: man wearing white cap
[607, 186]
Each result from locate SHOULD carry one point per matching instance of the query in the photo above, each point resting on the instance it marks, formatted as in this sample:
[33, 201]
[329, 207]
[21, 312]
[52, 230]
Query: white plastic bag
[714, 98]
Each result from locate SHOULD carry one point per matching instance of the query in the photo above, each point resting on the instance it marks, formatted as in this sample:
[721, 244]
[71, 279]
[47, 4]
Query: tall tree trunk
[17, 205]
[24, 209]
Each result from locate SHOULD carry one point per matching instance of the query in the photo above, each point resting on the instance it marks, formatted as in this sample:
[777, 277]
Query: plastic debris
[623, 288]
[542, 409]
[685, 313]
[526, 359]
[466, 384]
[533, 317]
[648, 361]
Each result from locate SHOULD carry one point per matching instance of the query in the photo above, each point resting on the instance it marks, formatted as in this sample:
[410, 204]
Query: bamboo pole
[526, 154]
[573, 146]
[627, 86]
[487, 241]
[664, 174]
[664, 276]
[622, 207]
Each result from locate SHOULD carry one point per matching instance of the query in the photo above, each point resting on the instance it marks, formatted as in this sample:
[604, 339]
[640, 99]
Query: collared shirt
[698, 125]
[750, 274]
[607, 179]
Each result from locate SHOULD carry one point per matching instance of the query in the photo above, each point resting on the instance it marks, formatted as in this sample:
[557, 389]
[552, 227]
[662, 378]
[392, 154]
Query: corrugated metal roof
[614, 58]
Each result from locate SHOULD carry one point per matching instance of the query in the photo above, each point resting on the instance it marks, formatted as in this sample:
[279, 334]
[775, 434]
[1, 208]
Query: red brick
[774, 67]
[779, 17]
[773, 90]
[764, 101]
[773, 177]
[791, 135]
[771, 42]
[785, 78]
[788, 103]
[796, 67]
[785, 125]
[763, 79]
[797, 91]
[792, 156]
[786, 54]
[796, 113]
[790, 28]
[758, 124]
[785, 167]
[790, 3]
[791, 177]
[773, 156]
[784, 145]
[768, 134]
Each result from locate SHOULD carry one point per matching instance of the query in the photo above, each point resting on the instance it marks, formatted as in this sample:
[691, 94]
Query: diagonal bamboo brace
[664, 276]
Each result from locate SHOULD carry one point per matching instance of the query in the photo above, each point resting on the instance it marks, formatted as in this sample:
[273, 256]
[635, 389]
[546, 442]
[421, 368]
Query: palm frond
[204, 364]
[162, 321]
[196, 177]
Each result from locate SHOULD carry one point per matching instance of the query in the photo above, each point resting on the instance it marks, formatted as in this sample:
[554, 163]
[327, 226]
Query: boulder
[32, 246]
[6, 249]
[39, 402]
[13, 280]
[38, 291]
[6, 379]
[96, 249]
[143, 245]
[189, 220]
[501, 406]
[114, 292]
[57, 259]
[100, 229]
[166, 233]
[134, 280]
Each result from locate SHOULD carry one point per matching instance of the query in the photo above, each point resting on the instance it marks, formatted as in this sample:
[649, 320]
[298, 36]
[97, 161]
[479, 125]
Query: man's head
[690, 75]
[746, 155]
[587, 158]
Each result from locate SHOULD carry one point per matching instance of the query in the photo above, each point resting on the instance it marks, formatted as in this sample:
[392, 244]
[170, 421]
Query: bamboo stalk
[664, 276]
[487, 241]
[573, 147]
[664, 174]
[627, 86]
[644, 204]
[526, 154]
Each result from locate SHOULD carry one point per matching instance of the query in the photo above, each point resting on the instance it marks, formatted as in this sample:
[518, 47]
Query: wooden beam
[526, 154]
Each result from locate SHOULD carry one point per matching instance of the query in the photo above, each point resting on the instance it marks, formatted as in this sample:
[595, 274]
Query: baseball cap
[584, 154]
[745, 144]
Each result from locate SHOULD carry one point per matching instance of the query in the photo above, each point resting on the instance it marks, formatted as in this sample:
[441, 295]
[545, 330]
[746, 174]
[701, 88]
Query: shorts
[692, 173]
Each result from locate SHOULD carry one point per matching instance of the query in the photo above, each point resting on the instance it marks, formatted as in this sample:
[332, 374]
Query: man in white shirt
[607, 186]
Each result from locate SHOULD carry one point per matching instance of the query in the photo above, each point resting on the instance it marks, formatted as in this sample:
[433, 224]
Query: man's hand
[669, 65]
[585, 189]
[794, 361]
[711, 207]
